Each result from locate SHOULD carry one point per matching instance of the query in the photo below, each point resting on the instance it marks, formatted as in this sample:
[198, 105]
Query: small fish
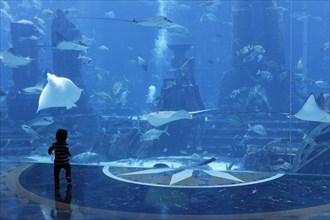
[86, 157]
[71, 11]
[123, 98]
[300, 64]
[109, 14]
[71, 45]
[183, 152]
[26, 22]
[37, 89]
[246, 49]
[179, 30]
[321, 84]
[153, 134]
[4, 14]
[41, 121]
[101, 73]
[251, 57]
[208, 16]
[265, 74]
[325, 46]
[117, 87]
[47, 11]
[104, 48]
[259, 49]
[259, 129]
[234, 93]
[143, 63]
[40, 21]
[85, 59]
[169, 84]
[32, 37]
[103, 95]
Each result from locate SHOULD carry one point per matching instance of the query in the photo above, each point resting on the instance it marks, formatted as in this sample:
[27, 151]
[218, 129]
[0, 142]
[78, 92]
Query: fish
[86, 157]
[32, 133]
[158, 21]
[234, 93]
[26, 22]
[123, 98]
[208, 16]
[4, 14]
[160, 118]
[85, 59]
[103, 95]
[143, 63]
[104, 48]
[41, 121]
[311, 111]
[153, 134]
[265, 74]
[117, 87]
[40, 21]
[300, 64]
[47, 11]
[259, 129]
[9, 58]
[101, 73]
[32, 37]
[71, 45]
[109, 14]
[321, 84]
[71, 11]
[325, 46]
[168, 84]
[244, 50]
[259, 49]
[176, 29]
[37, 89]
[59, 92]
[4, 5]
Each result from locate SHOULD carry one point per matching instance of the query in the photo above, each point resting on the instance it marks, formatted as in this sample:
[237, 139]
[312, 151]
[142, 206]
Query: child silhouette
[62, 155]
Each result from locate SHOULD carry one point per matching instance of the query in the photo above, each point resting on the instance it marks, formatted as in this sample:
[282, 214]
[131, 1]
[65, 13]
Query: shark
[59, 92]
[9, 58]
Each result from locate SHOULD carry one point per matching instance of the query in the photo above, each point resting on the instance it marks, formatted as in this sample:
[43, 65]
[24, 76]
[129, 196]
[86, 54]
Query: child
[62, 155]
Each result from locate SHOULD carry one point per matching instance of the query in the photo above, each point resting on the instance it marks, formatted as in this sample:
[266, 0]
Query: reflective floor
[27, 192]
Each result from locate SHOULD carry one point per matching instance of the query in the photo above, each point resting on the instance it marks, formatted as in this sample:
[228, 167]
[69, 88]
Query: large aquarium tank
[203, 109]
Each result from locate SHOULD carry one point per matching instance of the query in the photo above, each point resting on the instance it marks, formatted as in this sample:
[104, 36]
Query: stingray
[160, 118]
[311, 111]
[59, 92]
[159, 21]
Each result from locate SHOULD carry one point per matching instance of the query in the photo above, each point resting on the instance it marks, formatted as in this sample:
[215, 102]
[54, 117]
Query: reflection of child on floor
[62, 155]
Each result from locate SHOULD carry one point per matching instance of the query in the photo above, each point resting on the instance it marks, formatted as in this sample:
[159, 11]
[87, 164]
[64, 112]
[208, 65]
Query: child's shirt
[62, 153]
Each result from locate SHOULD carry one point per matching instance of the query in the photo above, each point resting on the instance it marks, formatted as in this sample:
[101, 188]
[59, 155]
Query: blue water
[211, 40]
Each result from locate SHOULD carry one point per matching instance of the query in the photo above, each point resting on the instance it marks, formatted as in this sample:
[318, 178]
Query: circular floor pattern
[191, 176]
[96, 196]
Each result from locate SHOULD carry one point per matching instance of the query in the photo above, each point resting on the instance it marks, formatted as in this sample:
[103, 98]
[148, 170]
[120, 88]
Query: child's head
[61, 135]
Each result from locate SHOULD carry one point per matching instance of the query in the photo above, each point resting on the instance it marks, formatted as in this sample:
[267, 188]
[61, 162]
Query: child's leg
[57, 170]
[68, 172]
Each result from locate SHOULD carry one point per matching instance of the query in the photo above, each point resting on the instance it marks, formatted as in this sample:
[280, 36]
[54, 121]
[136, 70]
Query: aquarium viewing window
[169, 93]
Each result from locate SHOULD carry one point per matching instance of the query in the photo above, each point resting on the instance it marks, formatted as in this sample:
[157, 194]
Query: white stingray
[160, 118]
[59, 92]
[311, 111]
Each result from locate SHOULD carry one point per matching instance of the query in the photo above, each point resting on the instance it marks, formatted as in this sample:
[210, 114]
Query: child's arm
[50, 149]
